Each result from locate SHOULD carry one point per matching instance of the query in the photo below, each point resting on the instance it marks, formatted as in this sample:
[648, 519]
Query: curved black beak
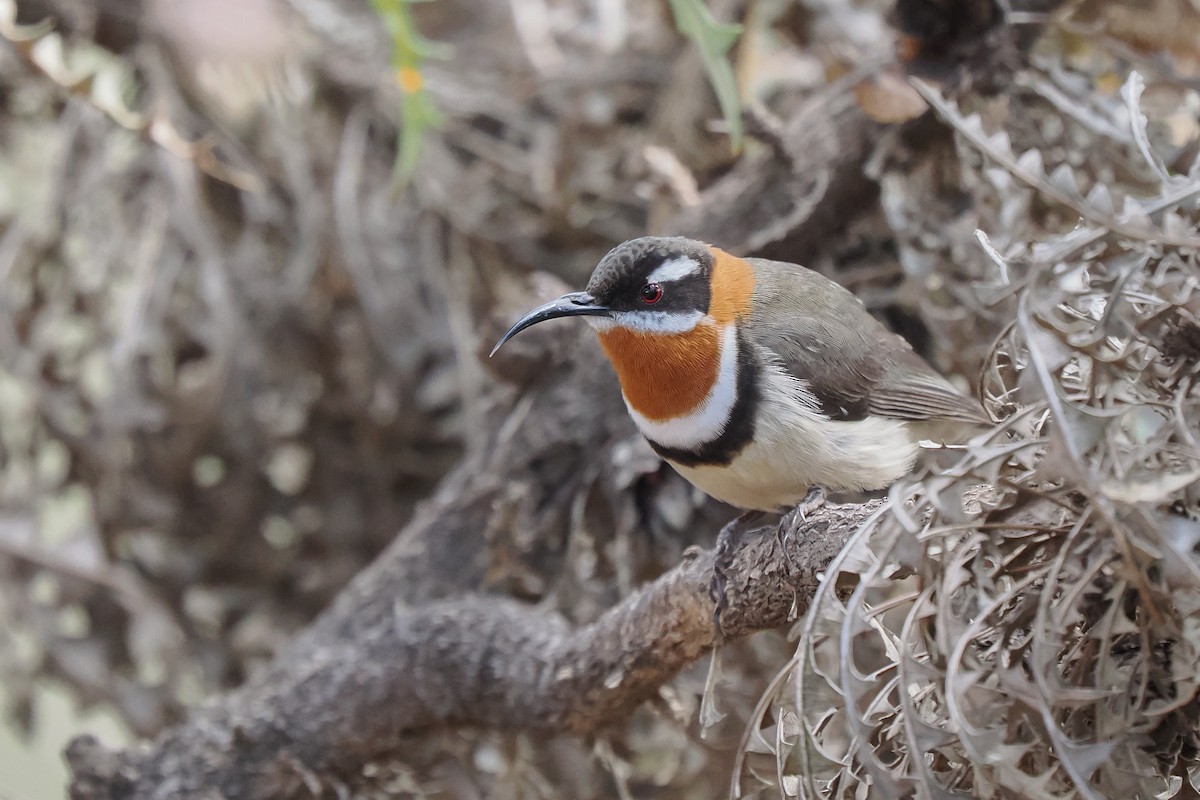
[576, 304]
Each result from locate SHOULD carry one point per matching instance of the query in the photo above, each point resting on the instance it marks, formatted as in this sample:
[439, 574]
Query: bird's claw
[727, 543]
[716, 591]
[813, 499]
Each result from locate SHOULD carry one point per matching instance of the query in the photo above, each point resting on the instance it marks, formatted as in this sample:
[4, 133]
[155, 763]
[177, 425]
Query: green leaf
[418, 112]
[695, 21]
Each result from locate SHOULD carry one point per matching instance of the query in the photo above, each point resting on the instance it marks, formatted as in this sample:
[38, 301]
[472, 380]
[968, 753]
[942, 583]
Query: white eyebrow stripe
[674, 270]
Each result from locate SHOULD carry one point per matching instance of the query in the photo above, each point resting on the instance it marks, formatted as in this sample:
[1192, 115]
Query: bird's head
[654, 286]
[666, 310]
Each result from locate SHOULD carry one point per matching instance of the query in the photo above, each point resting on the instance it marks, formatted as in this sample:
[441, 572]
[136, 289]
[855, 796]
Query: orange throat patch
[666, 376]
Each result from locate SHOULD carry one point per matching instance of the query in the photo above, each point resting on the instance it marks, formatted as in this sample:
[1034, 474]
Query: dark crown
[622, 272]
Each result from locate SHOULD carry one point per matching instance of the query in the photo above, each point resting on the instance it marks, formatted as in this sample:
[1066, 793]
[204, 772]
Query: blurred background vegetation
[252, 250]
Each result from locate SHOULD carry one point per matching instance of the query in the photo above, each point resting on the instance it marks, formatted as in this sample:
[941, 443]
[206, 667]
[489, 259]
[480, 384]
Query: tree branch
[333, 706]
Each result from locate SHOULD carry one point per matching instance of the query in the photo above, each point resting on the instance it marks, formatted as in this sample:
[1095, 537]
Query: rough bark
[336, 702]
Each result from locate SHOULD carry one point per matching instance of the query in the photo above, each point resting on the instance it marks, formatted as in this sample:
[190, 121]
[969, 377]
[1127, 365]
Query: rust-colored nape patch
[732, 286]
[664, 376]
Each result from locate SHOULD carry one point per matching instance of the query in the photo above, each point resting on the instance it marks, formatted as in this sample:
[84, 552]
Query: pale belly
[795, 448]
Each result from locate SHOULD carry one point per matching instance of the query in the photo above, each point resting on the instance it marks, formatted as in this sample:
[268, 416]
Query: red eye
[651, 293]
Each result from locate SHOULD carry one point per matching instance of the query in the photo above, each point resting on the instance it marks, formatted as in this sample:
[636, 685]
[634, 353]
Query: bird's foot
[727, 543]
[813, 499]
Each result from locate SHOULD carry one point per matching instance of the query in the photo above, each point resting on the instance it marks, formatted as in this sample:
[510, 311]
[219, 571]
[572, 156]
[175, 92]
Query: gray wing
[852, 363]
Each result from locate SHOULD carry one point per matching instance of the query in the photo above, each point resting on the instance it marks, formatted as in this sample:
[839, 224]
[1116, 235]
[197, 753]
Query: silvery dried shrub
[1022, 623]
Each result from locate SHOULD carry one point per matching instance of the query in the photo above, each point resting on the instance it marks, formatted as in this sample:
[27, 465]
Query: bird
[763, 383]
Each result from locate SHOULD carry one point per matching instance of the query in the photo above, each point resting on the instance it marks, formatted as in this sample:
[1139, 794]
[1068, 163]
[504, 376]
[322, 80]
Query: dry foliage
[1023, 623]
